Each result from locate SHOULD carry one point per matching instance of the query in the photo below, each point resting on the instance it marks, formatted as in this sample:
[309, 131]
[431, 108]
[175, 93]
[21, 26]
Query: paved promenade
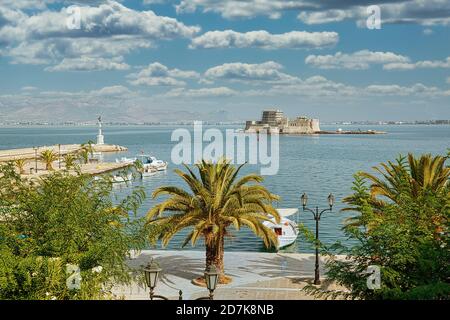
[255, 275]
[32, 163]
[29, 153]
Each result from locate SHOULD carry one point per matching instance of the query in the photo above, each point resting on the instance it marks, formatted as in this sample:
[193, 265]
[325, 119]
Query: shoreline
[365, 132]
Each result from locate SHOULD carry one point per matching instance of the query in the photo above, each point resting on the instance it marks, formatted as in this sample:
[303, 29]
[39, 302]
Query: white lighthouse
[100, 138]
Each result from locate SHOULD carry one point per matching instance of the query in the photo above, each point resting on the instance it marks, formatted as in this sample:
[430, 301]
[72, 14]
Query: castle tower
[100, 138]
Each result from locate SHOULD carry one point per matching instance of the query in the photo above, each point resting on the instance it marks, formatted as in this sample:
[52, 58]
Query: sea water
[317, 165]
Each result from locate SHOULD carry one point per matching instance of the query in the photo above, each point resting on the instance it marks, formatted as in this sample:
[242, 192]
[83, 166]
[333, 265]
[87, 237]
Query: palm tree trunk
[215, 253]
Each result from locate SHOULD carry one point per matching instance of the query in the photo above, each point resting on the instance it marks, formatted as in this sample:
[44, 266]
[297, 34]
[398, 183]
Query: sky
[224, 60]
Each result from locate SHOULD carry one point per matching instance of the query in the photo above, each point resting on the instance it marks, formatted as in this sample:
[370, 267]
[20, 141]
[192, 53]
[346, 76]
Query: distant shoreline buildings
[274, 121]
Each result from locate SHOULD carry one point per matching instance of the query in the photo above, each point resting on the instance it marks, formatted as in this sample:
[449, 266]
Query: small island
[275, 122]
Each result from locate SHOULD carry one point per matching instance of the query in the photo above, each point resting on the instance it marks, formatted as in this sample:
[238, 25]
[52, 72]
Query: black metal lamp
[35, 158]
[331, 200]
[211, 279]
[304, 200]
[317, 214]
[151, 273]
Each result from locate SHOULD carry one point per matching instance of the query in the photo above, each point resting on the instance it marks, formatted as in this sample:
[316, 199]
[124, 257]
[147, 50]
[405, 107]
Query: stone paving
[256, 276]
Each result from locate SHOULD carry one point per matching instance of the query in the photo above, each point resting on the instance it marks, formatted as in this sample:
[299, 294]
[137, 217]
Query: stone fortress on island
[274, 121]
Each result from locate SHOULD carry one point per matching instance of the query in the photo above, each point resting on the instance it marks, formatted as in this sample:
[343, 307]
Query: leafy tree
[402, 227]
[62, 219]
[48, 157]
[216, 199]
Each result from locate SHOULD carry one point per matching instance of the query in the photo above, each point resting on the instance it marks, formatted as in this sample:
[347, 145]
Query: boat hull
[286, 230]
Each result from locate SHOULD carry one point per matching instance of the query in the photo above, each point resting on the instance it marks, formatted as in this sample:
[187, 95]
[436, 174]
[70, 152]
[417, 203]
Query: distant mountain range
[129, 115]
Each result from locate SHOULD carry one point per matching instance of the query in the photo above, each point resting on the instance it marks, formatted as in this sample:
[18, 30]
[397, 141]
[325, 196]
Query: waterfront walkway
[30, 153]
[256, 276]
[33, 162]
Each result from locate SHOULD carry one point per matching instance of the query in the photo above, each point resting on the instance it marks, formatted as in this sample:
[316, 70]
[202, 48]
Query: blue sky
[157, 60]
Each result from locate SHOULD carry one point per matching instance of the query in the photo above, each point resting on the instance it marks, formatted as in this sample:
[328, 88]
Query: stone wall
[301, 126]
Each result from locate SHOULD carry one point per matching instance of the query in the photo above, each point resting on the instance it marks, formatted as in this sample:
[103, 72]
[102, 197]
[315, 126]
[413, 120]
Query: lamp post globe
[331, 200]
[151, 272]
[304, 199]
[211, 277]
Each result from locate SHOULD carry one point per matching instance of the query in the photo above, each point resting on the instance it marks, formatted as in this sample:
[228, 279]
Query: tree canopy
[60, 220]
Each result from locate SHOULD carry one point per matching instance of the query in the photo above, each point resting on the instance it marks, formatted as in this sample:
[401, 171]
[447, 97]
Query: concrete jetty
[30, 153]
[34, 167]
[352, 132]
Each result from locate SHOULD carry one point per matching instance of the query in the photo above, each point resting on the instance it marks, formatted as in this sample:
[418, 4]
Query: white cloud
[108, 19]
[445, 64]
[106, 31]
[89, 64]
[430, 12]
[265, 40]
[357, 60]
[28, 88]
[148, 2]
[318, 87]
[201, 93]
[397, 90]
[121, 103]
[267, 72]
[157, 74]
[25, 4]
[328, 16]
[118, 90]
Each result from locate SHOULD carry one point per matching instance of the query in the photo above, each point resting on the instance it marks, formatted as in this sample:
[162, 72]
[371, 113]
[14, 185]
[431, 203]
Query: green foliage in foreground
[402, 227]
[64, 219]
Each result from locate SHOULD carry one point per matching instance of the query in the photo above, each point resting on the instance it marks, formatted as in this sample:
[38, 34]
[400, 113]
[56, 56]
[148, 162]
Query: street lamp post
[317, 215]
[151, 273]
[59, 155]
[211, 278]
[35, 159]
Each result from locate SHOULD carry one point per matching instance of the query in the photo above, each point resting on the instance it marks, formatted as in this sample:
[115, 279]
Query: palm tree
[416, 176]
[69, 160]
[216, 200]
[412, 176]
[86, 150]
[20, 164]
[48, 157]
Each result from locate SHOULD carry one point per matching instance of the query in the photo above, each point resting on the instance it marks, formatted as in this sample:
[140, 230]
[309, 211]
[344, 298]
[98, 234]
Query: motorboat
[126, 160]
[287, 230]
[118, 178]
[148, 171]
[152, 162]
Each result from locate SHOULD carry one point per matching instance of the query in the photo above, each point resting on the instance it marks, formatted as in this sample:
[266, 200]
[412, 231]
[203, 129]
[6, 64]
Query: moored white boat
[122, 178]
[148, 171]
[286, 230]
[152, 162]
[126, 160]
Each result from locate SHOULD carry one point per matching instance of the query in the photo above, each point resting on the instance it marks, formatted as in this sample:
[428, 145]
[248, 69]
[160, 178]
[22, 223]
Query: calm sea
[317, 165]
